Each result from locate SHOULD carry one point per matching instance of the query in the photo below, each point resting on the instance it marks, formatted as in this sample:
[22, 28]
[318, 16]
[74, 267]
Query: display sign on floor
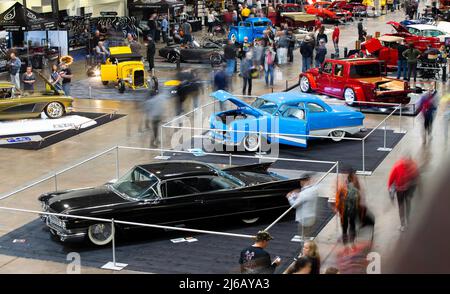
[29, 126]
[21, 139]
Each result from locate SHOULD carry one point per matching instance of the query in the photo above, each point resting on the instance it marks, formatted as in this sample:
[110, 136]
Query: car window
[261, 24]
[339, 70]
[264, 105]
[327, 67]
[314, 107]
[6, 93]
[365, 70]
[414, 31]
[294, 112]
[137, 184]
[245, 24]
[187, 186]
[432, 33]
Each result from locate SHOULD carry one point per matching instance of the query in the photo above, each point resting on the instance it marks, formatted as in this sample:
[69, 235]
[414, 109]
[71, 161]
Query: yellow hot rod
[127, 70]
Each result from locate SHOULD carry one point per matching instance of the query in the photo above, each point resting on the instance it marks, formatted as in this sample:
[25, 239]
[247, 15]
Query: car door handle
[201, 201]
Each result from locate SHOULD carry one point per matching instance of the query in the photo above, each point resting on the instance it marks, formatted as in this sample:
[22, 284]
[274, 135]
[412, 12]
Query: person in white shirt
[304, 200]
[211, 20]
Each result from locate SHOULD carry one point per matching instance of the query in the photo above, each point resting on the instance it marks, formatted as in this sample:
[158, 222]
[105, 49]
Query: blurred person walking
[402, 182]
[304, 200]
[230, 57]
[151, 50]
[268, 63]
[427, 109]
[292, 41]
[152, 25]
[155, 107]
[283, 45]
[348, 206]
[221, 83]
[255, 259]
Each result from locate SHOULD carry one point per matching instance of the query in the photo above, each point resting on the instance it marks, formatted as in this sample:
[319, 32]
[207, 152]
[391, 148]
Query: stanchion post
[260, 143]
[113, 242]
[384, 148]
[287, 85]
[229, 159]
[161, 141]
[117, 162]
[363, 156]
[90, 92]
[56, 182]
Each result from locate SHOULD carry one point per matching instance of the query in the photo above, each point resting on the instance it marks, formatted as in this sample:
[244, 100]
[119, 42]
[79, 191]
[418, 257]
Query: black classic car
[167, 193]
[209, 51]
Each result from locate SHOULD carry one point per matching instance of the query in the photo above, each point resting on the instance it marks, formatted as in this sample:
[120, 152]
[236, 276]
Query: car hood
[398, 27]
[60, 202]
[223, 96]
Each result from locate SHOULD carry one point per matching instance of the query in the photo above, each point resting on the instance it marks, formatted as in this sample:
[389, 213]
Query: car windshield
[264, 105]
[137, 184]
[365, 70]
[261, 24]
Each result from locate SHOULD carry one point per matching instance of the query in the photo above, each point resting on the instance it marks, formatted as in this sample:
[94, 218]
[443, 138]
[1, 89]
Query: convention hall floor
[19, 167]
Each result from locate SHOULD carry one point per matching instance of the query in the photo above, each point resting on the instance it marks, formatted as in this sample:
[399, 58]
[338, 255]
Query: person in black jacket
[321, 36]
[306, 50]
[255, 260]
[401, 61]
[151, 49]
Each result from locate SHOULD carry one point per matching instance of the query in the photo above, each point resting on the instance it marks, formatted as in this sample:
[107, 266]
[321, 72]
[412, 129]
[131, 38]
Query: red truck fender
[312, 80]
[359, 92]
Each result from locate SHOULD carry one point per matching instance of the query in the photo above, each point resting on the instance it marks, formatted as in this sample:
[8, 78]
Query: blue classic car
[290, 116]
[252, 28]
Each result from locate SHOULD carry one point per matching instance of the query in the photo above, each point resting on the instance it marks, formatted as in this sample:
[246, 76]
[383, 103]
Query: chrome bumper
[64, 234]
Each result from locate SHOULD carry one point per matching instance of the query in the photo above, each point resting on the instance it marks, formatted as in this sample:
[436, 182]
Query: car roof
[423, 27]
[179, 168]
[290, 97]
[6, 85]
[256, 19]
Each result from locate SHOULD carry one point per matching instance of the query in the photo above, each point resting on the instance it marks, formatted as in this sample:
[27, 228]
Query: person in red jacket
[402, 181]
[335, 37]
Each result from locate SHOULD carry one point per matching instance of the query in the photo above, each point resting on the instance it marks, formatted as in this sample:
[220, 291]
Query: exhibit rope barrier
[335, 166]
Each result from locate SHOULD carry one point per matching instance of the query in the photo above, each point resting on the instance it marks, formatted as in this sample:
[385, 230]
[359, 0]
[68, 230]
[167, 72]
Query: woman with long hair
[311, 252]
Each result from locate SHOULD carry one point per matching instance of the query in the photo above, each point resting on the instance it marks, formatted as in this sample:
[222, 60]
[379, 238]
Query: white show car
[427, 30]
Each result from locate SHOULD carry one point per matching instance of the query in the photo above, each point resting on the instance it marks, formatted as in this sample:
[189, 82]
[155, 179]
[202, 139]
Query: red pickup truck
[359, 79]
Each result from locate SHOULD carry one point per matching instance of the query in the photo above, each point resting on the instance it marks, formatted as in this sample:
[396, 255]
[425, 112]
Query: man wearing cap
[304, 200]
[256, 260]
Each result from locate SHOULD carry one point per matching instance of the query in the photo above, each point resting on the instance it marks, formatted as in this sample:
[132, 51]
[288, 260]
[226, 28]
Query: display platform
[34, 134]
[412, 109]
[152, 251]
[347, 152]
[92, 88]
